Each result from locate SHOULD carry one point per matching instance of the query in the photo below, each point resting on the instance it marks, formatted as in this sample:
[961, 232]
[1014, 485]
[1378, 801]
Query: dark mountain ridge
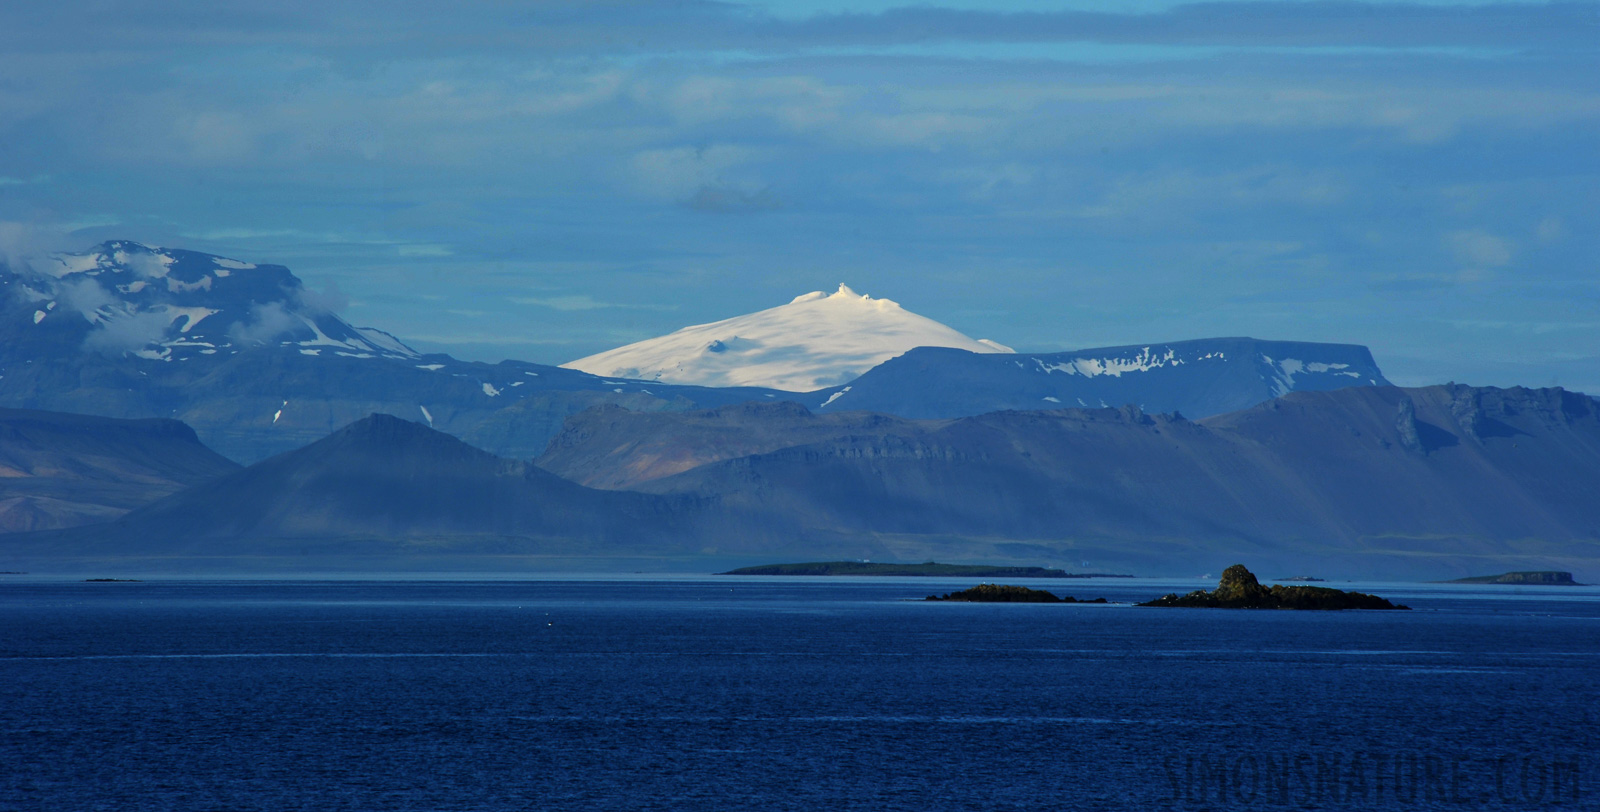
[1375, 482]
[64, 470]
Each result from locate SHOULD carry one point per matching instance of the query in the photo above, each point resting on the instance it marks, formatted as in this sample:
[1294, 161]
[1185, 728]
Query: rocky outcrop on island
[1006, 593]
[1239, 589]
[1535, 578]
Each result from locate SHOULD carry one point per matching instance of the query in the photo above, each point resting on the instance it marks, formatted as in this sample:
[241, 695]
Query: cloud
[84, 296]
[266, 323]
[23, 245]
[724, 198]
[678, 173]
[1551, 229]
[329, 300]
[127, 333]
[1152, 192]
[1479, 248]
[145, 265]
[583, 302]
[439, 28]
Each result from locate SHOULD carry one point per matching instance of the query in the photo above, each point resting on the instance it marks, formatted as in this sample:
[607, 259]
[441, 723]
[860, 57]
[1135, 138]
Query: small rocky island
[1006, 593]
[1534, 578]
[1239, 589]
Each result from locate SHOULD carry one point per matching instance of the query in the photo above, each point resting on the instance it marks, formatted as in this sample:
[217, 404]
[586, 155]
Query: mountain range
[259, 365]
[1377, 482]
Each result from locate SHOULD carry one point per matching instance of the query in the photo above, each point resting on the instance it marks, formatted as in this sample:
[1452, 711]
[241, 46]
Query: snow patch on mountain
[815, 341]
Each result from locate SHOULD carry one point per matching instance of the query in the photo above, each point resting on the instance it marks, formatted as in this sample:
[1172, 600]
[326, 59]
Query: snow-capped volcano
[817, 340]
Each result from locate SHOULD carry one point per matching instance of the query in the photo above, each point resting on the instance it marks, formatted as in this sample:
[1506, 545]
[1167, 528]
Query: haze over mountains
[1376, 482]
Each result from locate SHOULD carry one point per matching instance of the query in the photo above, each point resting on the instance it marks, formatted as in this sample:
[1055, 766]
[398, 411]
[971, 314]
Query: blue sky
[547, 180]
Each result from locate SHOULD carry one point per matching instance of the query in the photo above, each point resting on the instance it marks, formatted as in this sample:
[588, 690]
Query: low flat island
[1534, 578]
[1006, 593]
[928, 569]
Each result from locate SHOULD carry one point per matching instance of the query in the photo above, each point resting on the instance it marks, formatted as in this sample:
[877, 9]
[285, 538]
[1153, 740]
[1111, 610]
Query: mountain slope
[1357, 482]
[815, 341]
[614, 448]
[387, 486]
[1374, 481]
[1197, 378]
[64, 470]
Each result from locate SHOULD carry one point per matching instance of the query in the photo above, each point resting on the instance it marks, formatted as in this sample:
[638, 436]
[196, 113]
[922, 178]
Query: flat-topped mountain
[63, 470]
[1195, 378]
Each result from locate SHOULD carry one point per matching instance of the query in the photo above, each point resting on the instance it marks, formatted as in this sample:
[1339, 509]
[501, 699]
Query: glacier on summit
[816, 341]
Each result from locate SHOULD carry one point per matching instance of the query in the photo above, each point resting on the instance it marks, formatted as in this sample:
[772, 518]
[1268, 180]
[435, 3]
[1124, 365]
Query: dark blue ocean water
[730, 694]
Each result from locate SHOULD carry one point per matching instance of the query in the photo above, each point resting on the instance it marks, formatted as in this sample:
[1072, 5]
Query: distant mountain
[386, 494]
[816, 341]
[1195, 378]
[380, 490]
[1368, 481]
[1374, 482]
[65, 470]
[612, 447]
[258, 364]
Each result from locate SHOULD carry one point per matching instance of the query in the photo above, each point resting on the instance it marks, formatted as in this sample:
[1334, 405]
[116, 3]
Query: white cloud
[1479, 248]
[581, 302]
[676, 173]
[127, 333]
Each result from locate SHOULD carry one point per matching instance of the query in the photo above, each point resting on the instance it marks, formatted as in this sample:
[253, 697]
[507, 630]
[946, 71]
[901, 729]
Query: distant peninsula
[1239, 589]
[1532, 578]
[930, 568]
[1006, 593]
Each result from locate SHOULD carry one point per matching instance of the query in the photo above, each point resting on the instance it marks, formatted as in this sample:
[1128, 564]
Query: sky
[547, 180]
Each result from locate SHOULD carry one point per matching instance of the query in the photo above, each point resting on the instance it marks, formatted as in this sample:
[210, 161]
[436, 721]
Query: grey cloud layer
[440, 28]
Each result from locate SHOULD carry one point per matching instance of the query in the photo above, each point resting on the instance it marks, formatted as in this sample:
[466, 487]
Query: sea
[757, 693]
